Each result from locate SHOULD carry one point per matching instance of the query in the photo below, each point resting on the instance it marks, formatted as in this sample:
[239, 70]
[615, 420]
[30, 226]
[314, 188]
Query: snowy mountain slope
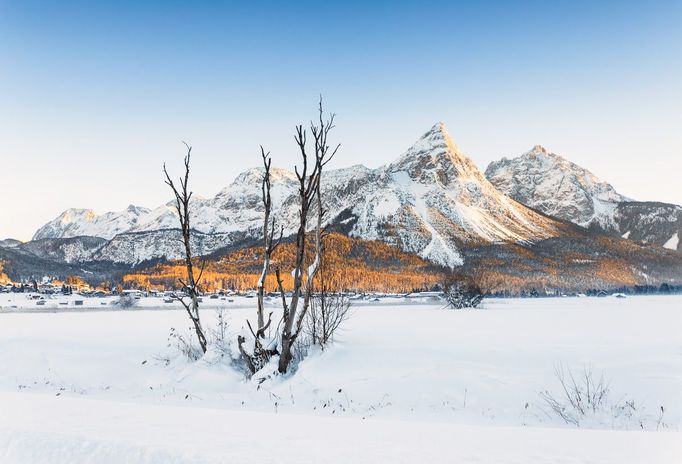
[136, 247]
[57, 259]
[650, 222]
[431, 201]
[10, 243]
[76, 222]
[67, 250]
[553, 185]
[236, 208]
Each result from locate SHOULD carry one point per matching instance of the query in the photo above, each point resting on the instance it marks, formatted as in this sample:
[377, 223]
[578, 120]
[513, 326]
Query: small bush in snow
[326, 314]
[460, 294]
[126, 301]
[584, 400]
[579, 397]
[219, 334]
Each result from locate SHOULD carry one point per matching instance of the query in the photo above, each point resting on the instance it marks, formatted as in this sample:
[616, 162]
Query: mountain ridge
[75, 222]
[557, 187]
[430, 201]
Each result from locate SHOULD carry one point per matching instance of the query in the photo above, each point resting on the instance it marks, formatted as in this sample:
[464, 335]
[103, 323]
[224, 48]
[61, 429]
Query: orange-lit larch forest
[351, 264]
[3, 277]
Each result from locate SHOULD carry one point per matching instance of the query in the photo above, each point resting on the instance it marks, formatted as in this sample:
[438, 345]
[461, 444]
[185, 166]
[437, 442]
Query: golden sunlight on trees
[3, 277]
[76, 282]
[354, 265]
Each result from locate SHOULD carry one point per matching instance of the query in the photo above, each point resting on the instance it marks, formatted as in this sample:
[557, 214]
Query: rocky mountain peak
[557, 187]
[72, 214]
[254, 176]
[136, 209]
[539, 150]
[436, 157]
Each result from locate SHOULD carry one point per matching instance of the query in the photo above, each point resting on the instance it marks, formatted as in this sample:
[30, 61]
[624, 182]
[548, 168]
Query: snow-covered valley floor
[403, 383]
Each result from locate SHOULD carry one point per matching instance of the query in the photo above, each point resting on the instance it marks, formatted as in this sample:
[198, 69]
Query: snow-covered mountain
[78, 222]
[557, 187]
[236, 208]
[431, 201]
[10, 243]
[549, 183]
[67, 250]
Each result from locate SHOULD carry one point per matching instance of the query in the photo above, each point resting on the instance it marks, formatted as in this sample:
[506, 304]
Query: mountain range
[432, 201]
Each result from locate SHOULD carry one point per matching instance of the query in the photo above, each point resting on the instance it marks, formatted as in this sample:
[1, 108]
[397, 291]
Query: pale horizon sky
[96, 96]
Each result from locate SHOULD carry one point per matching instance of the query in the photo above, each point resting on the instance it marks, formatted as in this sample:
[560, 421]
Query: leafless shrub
[327, 312]
[301, 348]
[584, 399]
[659, 422]
[219, 334]
[579, 396]
[184, 345]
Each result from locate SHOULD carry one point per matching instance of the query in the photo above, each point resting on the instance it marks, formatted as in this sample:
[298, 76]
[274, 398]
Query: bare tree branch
[182, 207]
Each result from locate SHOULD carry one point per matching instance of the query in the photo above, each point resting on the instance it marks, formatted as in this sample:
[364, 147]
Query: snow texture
[37, 429]
[673, 243]
[78, 222]
[406, 381]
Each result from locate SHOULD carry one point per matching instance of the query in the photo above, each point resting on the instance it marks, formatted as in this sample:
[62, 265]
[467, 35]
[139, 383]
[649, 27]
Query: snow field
[403, 383]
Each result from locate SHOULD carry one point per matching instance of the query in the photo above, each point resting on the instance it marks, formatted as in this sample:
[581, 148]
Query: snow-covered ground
[403, 383]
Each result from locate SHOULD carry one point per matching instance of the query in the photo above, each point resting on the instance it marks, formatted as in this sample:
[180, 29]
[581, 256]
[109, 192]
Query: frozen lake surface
[403, 383]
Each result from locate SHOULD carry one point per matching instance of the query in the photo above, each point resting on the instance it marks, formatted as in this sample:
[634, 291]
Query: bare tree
[182, 206]
[269, 242]
[309, 176]
[261, 355]
[309, 190]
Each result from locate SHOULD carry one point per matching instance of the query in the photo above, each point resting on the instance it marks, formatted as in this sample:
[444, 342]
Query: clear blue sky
[94, 96]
